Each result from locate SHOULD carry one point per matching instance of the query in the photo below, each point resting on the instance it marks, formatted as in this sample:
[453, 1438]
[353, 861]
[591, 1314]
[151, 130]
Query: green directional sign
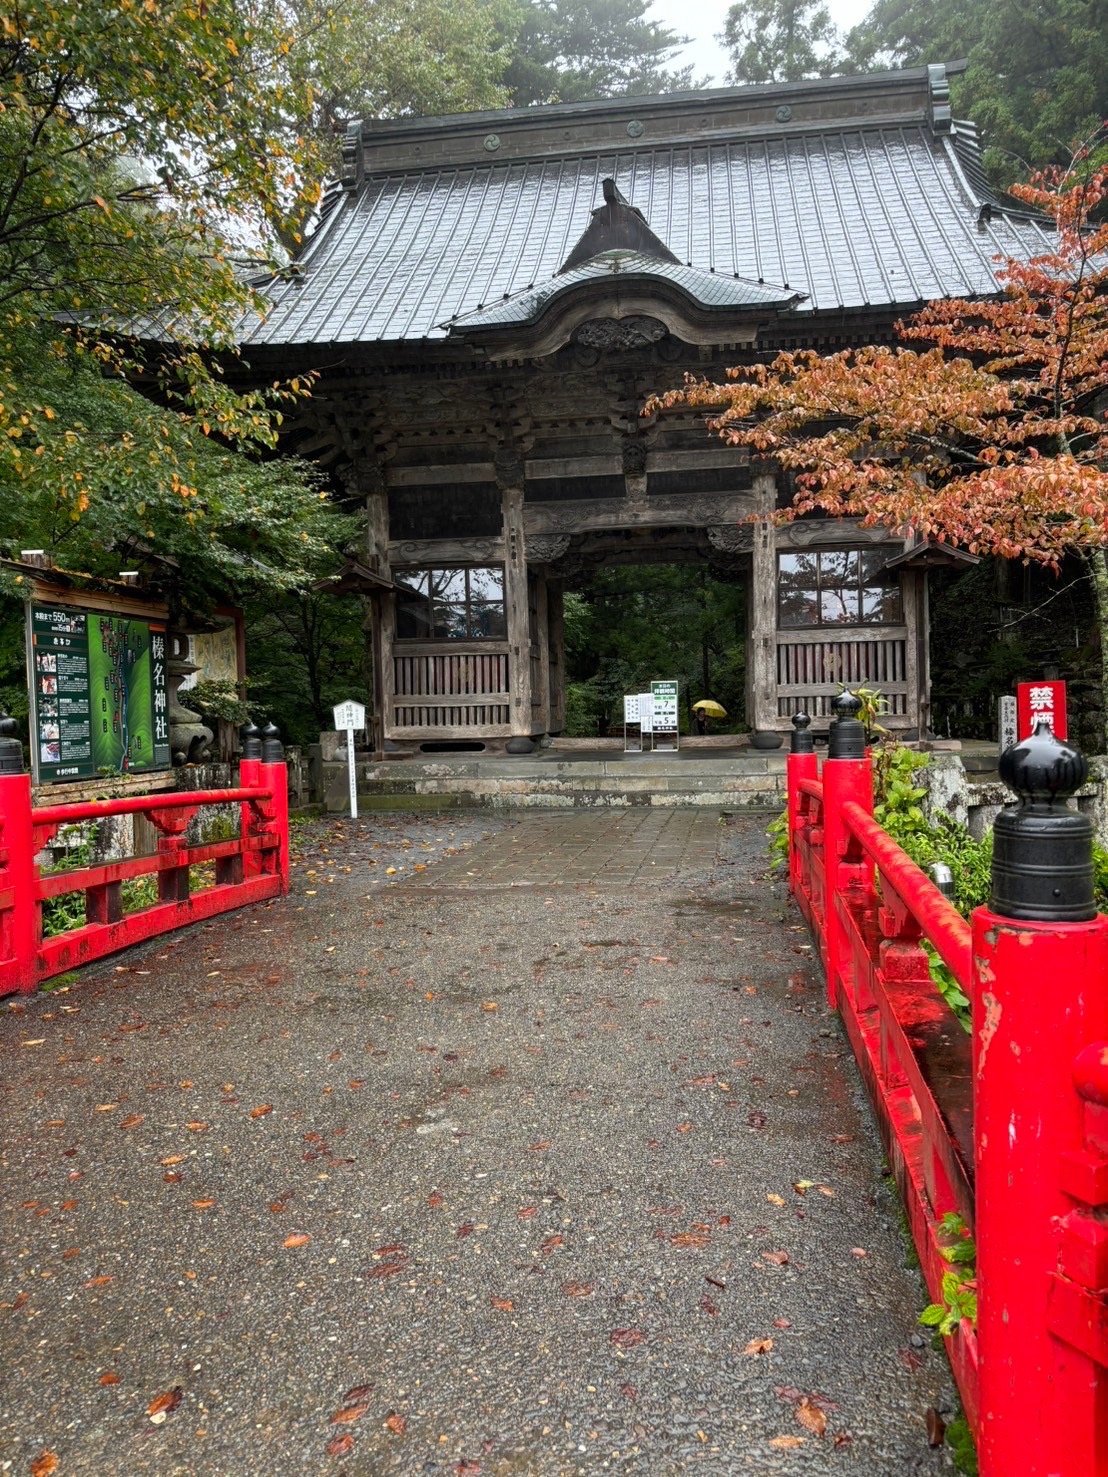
[99, 700]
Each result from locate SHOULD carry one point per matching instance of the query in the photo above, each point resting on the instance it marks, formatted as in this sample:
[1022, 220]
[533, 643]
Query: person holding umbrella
[707, 708]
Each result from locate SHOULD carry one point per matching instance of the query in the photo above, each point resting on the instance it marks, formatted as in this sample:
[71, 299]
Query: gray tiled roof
[882, 216]
[707, 289]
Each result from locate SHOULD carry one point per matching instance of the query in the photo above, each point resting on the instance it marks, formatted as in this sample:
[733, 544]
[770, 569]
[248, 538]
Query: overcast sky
[702, 20]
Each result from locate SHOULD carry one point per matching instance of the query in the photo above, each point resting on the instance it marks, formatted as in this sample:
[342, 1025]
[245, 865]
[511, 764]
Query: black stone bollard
[11, 750]
[800, 740]
[273, 750]
[1043, 851]
[251, 741]
[847, 736]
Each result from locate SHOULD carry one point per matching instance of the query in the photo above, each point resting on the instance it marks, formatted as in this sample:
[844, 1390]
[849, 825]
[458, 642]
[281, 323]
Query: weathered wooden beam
[540, 637]
[556, 636]
[517, 610]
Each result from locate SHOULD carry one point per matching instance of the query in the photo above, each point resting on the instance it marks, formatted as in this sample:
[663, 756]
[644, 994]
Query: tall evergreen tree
[780, 41]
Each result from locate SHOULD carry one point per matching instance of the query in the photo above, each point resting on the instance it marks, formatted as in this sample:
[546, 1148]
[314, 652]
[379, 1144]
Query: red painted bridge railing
[248, 868]
[1007, 1127]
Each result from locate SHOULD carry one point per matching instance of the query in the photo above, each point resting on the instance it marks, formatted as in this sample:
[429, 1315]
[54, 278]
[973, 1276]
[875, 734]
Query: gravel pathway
[419, 1171]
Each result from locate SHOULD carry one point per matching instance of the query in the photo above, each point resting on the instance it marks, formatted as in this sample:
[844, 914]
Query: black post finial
[11, 750]
[273, 750]
[1042, 851]
[251, 741]
[847, 736]
[800, 740]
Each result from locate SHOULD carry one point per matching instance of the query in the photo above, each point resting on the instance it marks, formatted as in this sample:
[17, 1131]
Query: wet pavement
[524, 1156]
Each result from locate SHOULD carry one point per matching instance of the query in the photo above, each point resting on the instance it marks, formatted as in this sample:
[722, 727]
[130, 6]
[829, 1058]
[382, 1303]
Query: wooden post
[382, 607]
[517, 610]
[540, 636]
[761, 661]
[555, 618]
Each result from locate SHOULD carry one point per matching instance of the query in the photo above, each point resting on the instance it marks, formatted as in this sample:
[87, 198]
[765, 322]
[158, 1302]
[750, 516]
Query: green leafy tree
[576, 50]
[1037, 75]
[780, 41]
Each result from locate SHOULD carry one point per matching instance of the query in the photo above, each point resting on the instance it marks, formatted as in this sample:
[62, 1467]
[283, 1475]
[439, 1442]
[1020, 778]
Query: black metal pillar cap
[251, 741]
[800, 740]
[1042, 851]
[846, 737]
[273, 750]
[11, 750]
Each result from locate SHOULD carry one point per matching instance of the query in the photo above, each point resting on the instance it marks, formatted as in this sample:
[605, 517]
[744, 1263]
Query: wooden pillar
[540, 637]
[517, 611]
[556, 628]
[382, 605]
[761, 654]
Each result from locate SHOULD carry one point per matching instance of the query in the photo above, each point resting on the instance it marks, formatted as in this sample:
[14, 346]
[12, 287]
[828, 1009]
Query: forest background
[156, 158]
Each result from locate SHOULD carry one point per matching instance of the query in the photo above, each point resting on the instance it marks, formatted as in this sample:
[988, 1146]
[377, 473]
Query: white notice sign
[350, 719]
[349, 716]
[631, 708]
[1009, 732]
[646, 712]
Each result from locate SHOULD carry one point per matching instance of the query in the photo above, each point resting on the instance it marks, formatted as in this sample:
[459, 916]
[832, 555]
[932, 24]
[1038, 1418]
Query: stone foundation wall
[975, 802]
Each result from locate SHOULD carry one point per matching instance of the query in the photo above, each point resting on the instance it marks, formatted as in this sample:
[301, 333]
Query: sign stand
[666, 728]
[350, 718]
[632, 742]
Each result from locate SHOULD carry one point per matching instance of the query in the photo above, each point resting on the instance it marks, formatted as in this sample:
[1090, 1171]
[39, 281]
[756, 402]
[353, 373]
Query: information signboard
[1009, 735]
[664, 695]
[99, 700]
[1041, 702]
[646, 712]
[350, 719]
[632, 733]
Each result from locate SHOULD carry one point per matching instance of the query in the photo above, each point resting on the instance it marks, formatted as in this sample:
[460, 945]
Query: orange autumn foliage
[992, 435]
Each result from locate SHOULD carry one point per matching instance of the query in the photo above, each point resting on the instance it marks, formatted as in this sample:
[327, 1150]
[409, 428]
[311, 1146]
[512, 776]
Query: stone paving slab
[459, 1176]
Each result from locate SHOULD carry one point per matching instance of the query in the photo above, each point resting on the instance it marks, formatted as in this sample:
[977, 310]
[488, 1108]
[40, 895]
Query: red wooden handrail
[96, 810]
[941, 923]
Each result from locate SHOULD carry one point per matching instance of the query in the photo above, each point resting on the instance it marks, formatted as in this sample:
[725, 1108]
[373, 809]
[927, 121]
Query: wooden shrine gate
[1006, 1128]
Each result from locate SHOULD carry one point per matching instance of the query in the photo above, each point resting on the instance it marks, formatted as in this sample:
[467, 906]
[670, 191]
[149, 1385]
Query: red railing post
[847, 775]
[20, 914]
[1040, 958]
[274, 776]
[801, 764]
[250, 777]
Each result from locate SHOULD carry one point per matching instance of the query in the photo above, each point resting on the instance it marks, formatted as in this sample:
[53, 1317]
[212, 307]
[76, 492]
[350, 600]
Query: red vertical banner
[1041, 702]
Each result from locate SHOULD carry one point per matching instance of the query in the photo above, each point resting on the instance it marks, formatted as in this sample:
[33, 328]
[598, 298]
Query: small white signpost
[646, 715]
[632, 742]
[1009, 733]
[350, 719]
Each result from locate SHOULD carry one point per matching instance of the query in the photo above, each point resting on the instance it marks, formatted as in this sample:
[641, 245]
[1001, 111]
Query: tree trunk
[1096, 562]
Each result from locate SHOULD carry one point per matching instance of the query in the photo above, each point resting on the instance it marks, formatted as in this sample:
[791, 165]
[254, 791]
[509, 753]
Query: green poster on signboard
[99, 702]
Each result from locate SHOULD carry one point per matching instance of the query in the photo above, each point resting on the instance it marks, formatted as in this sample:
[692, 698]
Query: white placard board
[631, 708]
[349, 716]
[350, 719]
[632, 733]
[1007, 727]
[646, 712]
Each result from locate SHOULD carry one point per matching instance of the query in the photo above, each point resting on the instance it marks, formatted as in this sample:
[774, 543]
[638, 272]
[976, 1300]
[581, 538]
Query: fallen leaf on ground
[109, 1377]
[339, 1445]
[465, 1230]
[626, 1338]
[132, 1120]
[261, 1110]
[526, 1212]
[99, 1281]
[778, 1258]
[202, 1204]
[349, 1414]
[463, 1468]
[786, 1443]
[505, 1305]
[356, 1393]
[707, 1305]
[684, 1127]
[781, 1323]
[811, 1417]
[689, 1239]
[301, 1238]
[164, 1403]
[45, 1463]
[936, 1427]
[542, 1144]
[197, 1126]
[858, 1251]
[550, 1243]
[396, 1423]
[775, 1199]
[434, 1200]
[578, 1289]
[174, 1158]
[489, 1005]
[843, 1438]
[758, 1346]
